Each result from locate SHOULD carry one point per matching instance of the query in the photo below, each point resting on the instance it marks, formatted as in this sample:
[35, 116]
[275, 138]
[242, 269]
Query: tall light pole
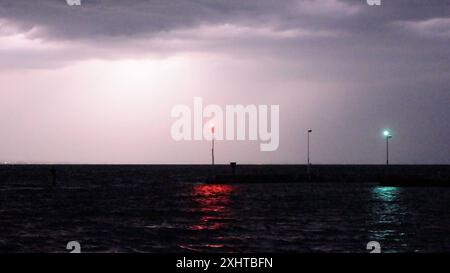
[213, 171]
[388, 136]
[213, 130]
[309, 162]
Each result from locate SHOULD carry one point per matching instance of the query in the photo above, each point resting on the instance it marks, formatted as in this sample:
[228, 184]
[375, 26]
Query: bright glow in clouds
[138, 75]
[92, 111]
[118, 111]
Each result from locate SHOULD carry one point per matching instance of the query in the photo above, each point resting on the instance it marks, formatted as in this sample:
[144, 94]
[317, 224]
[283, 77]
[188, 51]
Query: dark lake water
[194, 217]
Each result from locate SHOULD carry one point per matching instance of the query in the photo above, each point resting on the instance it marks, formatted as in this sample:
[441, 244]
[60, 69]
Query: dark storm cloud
[96, 19]
[126, 28]
[112, 18]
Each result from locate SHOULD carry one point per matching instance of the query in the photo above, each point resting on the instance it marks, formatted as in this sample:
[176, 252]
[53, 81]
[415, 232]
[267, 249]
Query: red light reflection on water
[213, 205]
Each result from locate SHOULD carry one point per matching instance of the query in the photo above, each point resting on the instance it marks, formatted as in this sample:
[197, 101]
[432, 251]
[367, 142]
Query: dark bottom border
[219, 262]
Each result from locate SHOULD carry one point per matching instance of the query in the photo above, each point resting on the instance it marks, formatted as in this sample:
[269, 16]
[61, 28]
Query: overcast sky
[96, 83]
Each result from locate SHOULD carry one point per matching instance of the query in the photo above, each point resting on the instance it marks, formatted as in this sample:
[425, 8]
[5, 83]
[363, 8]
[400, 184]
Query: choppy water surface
[184, 217]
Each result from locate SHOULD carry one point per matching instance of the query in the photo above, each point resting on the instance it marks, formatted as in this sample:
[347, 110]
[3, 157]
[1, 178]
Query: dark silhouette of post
[387, 151]
[212, 146]
[233, 168]
[309, 161]
[213, 130]
[388, 136]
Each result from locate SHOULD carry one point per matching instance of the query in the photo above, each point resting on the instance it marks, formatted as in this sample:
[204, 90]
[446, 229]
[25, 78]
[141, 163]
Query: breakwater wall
[131, 174]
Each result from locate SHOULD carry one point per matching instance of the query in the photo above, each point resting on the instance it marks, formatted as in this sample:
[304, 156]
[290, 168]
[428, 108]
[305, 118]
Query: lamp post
[309, 162]
[213, 171]
[213, 130]
[388, 136]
